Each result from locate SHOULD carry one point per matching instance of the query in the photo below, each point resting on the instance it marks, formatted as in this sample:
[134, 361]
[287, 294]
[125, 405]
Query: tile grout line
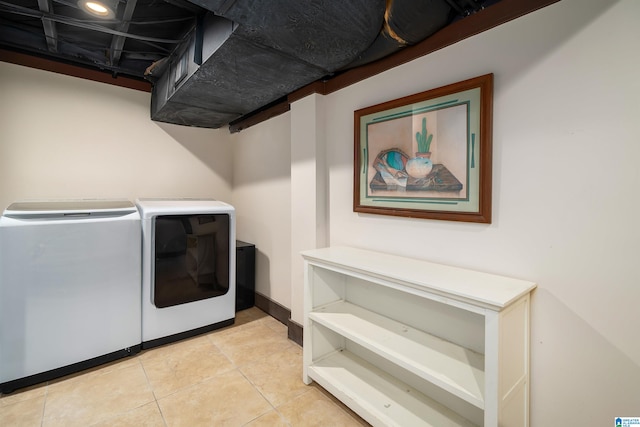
[155, 398]
[265, 398]
[44, 404]
[237, 368]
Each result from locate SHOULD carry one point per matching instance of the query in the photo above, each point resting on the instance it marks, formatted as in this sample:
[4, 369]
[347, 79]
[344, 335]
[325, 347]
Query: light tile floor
[248, 374]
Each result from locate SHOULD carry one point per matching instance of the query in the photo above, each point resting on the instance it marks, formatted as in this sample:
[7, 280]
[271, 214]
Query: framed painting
[427, 155]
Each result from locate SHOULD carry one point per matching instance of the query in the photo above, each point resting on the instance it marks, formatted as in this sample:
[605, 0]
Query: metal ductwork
[246, 54]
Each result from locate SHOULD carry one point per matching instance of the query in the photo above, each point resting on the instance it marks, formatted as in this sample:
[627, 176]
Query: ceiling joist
[117, 43]
[49, 26]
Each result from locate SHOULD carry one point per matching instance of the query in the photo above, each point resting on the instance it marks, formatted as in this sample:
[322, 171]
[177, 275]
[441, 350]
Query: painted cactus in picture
[423, 139]
[421, 165]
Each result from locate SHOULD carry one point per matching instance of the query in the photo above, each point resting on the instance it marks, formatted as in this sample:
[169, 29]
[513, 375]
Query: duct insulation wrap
[407, 22]
[174, 98]
[254, 53]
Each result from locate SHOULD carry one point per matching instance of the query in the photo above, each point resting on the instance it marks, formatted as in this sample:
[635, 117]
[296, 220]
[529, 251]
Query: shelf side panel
[321, 286]
[324, 342]
[514, 361]
[326, 286]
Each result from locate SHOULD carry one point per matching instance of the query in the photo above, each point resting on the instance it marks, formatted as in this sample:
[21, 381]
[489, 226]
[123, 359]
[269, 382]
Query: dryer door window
[191, 258]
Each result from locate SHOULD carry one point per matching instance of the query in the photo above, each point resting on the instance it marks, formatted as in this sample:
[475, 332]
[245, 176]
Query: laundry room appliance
[70, 280]
[188, 268]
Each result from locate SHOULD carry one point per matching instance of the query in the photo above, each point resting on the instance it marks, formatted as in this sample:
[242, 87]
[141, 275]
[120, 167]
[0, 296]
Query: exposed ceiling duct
[249, 53]
[215, 62]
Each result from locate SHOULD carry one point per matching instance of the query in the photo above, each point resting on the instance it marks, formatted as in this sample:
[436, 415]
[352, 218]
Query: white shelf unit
[405, 342]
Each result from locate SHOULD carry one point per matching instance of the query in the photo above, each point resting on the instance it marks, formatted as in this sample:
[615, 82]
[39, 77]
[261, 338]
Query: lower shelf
[449, 366]
[378, 397]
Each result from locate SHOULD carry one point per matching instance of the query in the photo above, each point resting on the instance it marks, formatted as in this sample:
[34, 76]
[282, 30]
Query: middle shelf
[451, 367]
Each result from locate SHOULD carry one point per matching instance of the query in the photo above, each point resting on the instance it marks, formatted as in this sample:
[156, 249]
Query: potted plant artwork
[420, 166]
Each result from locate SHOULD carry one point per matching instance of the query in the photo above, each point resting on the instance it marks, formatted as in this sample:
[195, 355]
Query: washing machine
[188, 268]
[70, 281]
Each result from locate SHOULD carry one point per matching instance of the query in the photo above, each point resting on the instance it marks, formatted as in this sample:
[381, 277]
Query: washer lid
[39, 208]
[150, 208]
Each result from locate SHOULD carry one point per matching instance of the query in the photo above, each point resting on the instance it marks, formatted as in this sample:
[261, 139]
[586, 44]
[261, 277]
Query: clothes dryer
[188, 268]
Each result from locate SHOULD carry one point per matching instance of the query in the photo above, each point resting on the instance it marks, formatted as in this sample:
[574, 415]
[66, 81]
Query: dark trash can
[245, 275]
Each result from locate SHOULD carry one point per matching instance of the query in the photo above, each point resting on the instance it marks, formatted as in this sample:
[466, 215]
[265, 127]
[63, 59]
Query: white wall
[309, 216]
[565, 207]
[262, 198]
[63, 137]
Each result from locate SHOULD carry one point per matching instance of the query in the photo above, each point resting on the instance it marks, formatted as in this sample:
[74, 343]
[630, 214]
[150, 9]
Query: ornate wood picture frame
[427, 155]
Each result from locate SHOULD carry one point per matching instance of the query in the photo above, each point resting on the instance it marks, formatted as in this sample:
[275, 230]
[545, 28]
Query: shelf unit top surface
[486, 289]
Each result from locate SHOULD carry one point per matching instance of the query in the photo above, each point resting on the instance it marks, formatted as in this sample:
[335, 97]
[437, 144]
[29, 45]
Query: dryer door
[191, 258]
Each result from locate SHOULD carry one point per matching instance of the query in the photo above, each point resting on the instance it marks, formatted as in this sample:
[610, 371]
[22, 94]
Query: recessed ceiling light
[97, 8]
